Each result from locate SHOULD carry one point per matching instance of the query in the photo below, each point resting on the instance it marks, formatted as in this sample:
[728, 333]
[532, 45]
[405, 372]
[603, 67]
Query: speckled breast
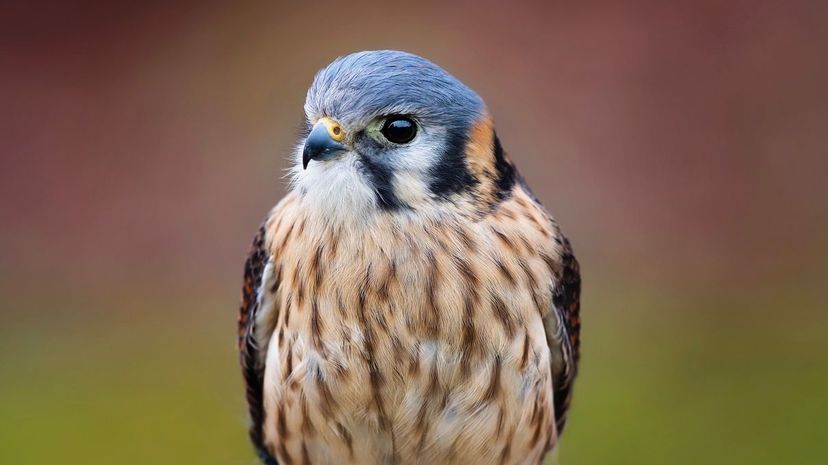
[407, 342]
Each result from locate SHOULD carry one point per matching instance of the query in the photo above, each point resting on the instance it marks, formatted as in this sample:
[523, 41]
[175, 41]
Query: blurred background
[682, 145]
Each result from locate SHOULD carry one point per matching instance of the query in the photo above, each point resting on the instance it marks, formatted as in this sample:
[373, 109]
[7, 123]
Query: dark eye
[399, 129]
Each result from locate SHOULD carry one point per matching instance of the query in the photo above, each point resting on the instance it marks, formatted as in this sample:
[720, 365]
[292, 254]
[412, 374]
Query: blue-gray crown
[364, 85]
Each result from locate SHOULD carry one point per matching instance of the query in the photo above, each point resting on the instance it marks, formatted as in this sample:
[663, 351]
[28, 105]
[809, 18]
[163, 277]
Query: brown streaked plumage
[412, 316]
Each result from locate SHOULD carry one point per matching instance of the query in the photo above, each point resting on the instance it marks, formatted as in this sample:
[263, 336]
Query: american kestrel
[409, 301]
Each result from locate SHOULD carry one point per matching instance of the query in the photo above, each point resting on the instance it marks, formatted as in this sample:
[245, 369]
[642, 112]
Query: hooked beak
[323, 142]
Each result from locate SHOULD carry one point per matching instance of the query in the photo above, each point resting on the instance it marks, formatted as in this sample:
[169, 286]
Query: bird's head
[391, 132]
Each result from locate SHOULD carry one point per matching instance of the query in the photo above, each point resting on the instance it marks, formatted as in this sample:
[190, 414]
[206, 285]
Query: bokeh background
[682, 145]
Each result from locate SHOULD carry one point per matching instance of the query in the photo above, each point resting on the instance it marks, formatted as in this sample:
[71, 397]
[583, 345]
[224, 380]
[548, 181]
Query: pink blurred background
[682, 145]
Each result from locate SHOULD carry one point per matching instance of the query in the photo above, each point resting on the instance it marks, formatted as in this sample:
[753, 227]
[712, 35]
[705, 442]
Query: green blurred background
[682, 145]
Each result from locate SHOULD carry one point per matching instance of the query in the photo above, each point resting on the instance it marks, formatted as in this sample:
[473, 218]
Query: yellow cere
[334, 129]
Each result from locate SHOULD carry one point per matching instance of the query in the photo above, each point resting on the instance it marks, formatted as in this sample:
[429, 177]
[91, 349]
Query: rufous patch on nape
[409, 301]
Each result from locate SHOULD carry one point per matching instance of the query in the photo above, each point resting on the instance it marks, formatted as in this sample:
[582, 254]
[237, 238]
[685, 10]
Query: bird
[409, 300]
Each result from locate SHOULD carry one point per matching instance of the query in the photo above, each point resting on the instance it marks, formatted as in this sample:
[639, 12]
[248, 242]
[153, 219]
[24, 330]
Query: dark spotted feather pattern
[567, 301]
[252, 366]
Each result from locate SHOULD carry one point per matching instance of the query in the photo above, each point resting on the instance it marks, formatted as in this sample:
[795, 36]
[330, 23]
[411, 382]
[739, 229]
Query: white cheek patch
[412, 170]
[421, 155]
[410, 188]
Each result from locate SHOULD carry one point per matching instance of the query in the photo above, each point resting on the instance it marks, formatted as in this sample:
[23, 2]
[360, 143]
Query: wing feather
[563, 323]
[252, 364]
[563, 328]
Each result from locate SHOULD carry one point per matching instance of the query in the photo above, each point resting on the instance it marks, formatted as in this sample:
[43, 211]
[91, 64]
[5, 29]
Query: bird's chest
[410, 349]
